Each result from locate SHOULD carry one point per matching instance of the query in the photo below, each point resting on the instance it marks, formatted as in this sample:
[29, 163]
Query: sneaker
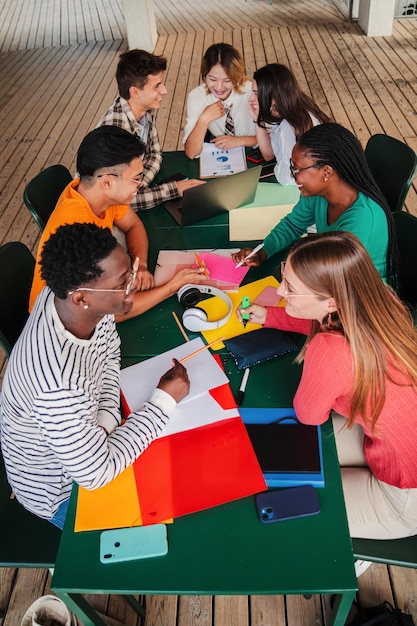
[46, 611]
[361, 567]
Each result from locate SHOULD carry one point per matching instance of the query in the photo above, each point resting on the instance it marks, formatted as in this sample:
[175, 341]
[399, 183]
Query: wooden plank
[231, 610]
[374, 586]
[267, 610]
[195, 610]
[193, 80]
[29, 586]
[302, 611]
[327, 97]
[160, 610]
[404, 582]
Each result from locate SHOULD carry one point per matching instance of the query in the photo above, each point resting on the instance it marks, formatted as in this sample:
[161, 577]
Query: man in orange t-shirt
[109, 164]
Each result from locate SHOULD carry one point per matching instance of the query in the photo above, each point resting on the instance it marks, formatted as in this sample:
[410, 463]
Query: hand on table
[226, 142]
[144, 279]
[183, 185]
[193, 275]
[175, 381]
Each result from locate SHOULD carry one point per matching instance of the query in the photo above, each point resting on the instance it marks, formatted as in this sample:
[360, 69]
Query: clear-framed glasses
[126, 290]
[294, 171]
[138, 181]
[287, 294]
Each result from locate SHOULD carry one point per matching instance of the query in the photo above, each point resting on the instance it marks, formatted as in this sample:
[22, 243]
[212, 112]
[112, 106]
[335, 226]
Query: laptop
[217, 196]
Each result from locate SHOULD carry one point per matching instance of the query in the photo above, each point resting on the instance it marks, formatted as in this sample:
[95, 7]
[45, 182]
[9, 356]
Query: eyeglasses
[294, 171]
[139, 182]
[287, 294]
[126, 290]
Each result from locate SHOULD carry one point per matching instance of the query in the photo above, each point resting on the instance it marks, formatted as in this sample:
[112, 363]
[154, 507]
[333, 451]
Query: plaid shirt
[120, 114]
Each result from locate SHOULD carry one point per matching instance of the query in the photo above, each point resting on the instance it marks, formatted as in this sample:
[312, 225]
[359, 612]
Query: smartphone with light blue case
[129, 544]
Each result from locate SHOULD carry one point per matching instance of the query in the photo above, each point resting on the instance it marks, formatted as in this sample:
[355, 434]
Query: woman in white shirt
[282, 112]
[220, 106]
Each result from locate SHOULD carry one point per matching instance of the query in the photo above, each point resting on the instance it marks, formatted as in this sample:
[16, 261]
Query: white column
[376, 17]
[140, 24]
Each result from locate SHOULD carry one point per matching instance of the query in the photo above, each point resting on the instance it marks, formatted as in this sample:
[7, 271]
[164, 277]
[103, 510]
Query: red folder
[187, 472]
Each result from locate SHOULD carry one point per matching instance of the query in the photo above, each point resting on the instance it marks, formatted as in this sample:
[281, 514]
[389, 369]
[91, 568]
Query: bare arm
[137, 244]
[145, 300]
[225, 142]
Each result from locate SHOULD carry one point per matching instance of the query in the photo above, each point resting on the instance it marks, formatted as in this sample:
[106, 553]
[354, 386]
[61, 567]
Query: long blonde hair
[374, 321]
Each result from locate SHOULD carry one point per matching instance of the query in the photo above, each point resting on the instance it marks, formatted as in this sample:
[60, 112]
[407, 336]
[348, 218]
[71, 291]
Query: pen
[241, 392]
[250, 255]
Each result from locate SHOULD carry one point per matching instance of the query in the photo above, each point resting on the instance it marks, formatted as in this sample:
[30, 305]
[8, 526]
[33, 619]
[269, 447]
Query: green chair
[42, 192]
[16, 273]
[402, 552]
[406, 230]
[25, 540]
[393, 165]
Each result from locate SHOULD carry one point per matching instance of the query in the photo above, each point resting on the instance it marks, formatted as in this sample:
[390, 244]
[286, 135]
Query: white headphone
[194, 318]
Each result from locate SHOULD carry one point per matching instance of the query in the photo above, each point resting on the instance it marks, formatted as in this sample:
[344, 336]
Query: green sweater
[365, 219]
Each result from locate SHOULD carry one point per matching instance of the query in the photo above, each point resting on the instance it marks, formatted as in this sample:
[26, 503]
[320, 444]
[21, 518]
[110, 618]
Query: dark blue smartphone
[284, 504]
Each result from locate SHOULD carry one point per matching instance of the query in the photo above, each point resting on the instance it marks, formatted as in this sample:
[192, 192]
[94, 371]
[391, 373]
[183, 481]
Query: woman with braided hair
[338, 192]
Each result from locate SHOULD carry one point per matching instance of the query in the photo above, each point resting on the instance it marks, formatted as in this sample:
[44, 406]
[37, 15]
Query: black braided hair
[70, 257]
[332, 144]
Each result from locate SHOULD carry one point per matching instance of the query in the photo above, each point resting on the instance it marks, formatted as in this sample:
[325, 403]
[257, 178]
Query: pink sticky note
[223, 268]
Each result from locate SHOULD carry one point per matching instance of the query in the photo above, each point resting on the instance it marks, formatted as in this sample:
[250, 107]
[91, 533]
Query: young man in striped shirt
[60, 412]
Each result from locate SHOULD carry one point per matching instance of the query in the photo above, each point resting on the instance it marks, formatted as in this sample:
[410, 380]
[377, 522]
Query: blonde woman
[218, 109]
[360, 366]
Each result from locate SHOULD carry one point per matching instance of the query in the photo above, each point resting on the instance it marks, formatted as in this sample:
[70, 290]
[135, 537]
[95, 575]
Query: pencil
[201, 263]
[184, 334]
[201, 349]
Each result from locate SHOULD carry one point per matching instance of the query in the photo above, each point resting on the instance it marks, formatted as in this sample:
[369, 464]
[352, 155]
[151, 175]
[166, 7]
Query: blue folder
[288, 457]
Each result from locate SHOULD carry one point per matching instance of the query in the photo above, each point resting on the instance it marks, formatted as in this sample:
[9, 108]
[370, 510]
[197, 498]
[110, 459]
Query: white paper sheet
[195, 413]
[138, 381]
[214, 162]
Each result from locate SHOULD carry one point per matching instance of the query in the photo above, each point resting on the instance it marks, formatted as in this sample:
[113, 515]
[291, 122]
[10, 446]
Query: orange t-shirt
[72, 208]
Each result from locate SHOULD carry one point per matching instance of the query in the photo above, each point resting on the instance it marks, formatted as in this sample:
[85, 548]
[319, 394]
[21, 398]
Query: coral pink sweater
[326, 384]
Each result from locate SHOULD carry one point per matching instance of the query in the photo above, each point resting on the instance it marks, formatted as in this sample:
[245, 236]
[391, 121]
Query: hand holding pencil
[175, 381]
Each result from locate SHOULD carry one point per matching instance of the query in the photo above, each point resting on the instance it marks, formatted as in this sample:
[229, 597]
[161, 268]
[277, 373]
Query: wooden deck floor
[58, 59]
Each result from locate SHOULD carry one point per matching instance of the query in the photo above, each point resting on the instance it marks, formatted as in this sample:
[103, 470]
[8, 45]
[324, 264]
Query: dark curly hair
[71, 256]
[134, 67]
[334, 145]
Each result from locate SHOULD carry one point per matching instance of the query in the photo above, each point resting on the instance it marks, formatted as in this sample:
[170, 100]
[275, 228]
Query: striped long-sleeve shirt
[60, 396]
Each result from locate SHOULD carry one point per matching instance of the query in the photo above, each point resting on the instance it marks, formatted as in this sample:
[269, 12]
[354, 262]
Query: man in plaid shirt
[139, 78]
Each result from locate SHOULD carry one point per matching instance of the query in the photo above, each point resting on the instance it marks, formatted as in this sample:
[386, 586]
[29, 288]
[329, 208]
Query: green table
[223, 550]
[226, 550]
